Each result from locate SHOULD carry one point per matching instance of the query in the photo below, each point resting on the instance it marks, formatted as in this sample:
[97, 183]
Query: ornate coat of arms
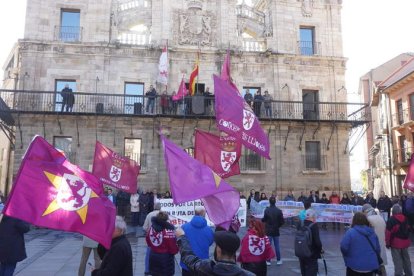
[195, 28]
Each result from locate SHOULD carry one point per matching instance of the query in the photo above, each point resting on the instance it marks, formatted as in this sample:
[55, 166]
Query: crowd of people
[383, 224]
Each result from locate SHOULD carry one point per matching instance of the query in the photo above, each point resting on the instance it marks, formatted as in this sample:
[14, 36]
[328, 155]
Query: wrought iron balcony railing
[403, 156]
[402, 116]
[309, 48]
[13, 101]
[68, 33]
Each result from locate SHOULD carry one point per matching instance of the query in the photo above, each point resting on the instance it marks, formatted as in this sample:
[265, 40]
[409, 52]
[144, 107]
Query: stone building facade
[103, 48]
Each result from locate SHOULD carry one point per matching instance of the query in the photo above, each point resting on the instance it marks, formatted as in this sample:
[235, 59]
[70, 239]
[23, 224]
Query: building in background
[398, 89]
[107, 52]
[377, 148]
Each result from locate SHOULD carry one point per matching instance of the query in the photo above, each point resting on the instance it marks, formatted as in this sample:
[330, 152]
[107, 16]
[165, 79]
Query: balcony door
[310, 99]
[59, 86]
[133, 105]
[69, 25]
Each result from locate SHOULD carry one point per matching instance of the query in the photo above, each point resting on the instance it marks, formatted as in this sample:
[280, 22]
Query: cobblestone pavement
[58, 253]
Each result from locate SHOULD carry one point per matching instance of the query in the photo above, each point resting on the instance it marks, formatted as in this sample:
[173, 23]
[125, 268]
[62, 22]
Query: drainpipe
[389, 141]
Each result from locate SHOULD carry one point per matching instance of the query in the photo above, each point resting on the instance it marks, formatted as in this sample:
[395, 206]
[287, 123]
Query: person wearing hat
[227, 244]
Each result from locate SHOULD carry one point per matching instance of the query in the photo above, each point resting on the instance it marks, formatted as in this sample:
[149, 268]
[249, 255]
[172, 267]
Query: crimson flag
[220, 153]
[114, 169]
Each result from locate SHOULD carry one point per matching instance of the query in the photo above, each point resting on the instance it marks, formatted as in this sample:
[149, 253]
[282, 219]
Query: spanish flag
[193, 77]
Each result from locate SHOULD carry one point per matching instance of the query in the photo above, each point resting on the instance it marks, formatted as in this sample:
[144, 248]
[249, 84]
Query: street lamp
[96, 84]
[26, 75]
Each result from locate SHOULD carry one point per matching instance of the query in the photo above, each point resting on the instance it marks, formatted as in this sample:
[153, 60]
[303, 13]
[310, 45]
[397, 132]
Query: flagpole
[198, 66]
[166, 85]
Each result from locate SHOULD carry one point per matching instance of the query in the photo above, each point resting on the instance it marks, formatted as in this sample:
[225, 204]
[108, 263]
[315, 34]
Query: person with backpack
[397, 237]
[273, 219]
[308, 245]
[360, 248]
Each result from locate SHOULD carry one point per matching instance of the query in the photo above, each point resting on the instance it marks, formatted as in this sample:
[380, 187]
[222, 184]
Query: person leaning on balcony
[67, 95]
[268, 103]
[257, 104]
[248, 97]
[164, 102]
[151, 95]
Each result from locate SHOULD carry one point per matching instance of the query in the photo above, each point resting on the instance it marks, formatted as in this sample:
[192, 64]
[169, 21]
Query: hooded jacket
[356, 250]
[391, 236]
[162, 242]
[200, 237]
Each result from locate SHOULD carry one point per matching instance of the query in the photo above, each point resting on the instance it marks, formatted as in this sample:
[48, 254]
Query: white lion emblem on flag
[227, 159]
[115, 173]
[248, 119]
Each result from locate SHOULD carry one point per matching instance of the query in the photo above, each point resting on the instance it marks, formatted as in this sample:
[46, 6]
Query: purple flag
[409, 179]
[235, 117]
[51, 192]
[190, 180]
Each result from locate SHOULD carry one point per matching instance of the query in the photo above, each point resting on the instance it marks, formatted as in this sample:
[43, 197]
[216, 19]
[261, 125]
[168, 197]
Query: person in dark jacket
[255, 249]
[384, 205]
[199, 235]
[345, 199]
[144, 206]
[313, 197]
[250, 198]
[309, 266]
[302, 198]
[371, 200]
[273, 219]
[257, 104]
[161, 240]
[359, 256]
[408, 209]
[118, 259]
[12, 247]
[397, 237]
[67, 99]
[227, 244]
[248, 97]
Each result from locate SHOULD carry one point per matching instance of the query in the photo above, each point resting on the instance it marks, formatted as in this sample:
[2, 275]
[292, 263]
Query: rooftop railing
[19, 101]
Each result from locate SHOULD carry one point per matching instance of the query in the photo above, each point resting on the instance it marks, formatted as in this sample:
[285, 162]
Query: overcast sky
[374, 31]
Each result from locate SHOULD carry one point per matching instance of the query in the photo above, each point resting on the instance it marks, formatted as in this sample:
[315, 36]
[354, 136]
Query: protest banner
[324, 212]
[184, 212]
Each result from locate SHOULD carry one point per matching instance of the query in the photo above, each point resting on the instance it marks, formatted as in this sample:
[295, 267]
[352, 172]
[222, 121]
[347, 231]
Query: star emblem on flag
[73, 195]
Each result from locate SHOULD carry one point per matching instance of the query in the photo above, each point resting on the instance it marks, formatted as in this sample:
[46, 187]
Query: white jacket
[134, 203]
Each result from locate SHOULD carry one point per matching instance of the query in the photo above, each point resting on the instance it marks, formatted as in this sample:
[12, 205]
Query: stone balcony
[50, 102]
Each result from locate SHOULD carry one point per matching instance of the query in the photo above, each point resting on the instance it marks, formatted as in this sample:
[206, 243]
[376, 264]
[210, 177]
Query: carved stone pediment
[194, 27]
